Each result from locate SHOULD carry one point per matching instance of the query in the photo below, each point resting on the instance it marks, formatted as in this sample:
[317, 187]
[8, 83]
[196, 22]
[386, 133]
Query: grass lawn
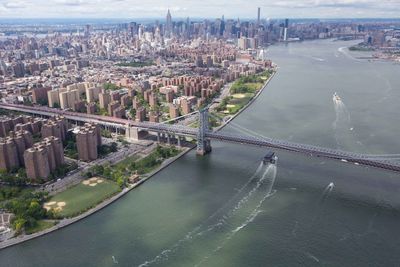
[235, 104]
[82, 197]
[40, 226]
[127, 161]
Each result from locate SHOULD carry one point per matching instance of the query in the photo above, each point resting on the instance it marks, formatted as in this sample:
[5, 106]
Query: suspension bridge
[203, 134]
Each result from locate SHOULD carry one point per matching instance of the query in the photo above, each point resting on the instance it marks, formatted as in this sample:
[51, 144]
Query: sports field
[81, 197]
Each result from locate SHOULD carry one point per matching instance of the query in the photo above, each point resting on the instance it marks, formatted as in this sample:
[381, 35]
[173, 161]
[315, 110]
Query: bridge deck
[191, 132]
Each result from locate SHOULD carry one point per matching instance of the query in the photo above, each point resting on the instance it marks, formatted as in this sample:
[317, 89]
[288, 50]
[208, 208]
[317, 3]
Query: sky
[131, 9]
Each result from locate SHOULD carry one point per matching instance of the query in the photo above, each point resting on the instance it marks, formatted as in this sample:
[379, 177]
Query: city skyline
[205, 9]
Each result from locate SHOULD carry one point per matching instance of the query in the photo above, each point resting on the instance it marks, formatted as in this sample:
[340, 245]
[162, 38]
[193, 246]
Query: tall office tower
[188, 32]
[3, 68]
[87, 30]
[285, 30]
[258, 16]
[132, 29]
[88, 138]
[19, 69]
[168, 25]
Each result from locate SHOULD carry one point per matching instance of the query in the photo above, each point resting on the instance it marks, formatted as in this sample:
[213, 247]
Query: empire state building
[168, 25]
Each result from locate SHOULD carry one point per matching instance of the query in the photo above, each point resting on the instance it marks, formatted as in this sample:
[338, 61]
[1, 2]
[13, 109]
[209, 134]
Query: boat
[270, 157]
[336, 97]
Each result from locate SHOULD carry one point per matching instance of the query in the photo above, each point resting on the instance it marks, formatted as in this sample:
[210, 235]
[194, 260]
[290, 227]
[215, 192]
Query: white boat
[336, 97]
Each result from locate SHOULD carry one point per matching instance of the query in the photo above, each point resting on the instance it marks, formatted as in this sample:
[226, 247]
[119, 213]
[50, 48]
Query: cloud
[131, 9]
[71, 2]
[15, 5]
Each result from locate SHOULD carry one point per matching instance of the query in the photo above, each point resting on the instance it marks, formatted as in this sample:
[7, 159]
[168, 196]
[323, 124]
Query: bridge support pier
[179, 140]
[203, 143]
[168, 139]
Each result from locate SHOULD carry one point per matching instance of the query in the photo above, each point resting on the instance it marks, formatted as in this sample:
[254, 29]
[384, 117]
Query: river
[219, 210]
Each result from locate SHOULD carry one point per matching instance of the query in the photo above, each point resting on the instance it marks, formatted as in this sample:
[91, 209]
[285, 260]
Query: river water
[226, 209]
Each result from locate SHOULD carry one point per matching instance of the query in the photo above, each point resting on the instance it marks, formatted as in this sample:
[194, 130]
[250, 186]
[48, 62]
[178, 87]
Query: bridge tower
[203, 143]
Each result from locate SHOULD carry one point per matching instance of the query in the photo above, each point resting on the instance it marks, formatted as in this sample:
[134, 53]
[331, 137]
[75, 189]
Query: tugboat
[270, 157]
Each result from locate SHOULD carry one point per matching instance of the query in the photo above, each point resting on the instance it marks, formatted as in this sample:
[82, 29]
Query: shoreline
[66, 222]
[251, 101]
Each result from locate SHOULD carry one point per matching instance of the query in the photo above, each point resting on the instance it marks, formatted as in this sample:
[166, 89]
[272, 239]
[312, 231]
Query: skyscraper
[285, 30]
[258, 16]
[168, 25]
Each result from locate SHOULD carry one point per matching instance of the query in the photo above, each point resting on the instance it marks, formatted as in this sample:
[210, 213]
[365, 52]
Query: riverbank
[65, 222]
[251, 101]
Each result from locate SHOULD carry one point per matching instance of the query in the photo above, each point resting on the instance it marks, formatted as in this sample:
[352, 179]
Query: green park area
[241, 92]
[122, 171]
[81, 197]
[103, 182]
[26, 205]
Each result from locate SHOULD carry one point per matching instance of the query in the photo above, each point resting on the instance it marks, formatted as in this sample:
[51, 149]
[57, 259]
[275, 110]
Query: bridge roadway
[310, 150]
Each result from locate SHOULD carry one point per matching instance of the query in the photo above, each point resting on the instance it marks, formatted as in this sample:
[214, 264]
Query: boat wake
[232, 217]
[327, 191]
[343, 50]
[344, 132]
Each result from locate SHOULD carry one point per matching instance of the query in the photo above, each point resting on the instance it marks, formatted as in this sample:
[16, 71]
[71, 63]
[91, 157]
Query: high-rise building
[68, 99]
[12, 149]
[285, 30]
[56, 127]
[173, 111]
[92, 94]
[91, 108]
[8, 155]
[88, 138]
[113, 106]
[126, 100]
[153, 116]
[19, 69]
[119, 112]
[258, 16]
[104, 100]
[153, 99]
[168, 25]
[141, 114]
[44, 158]
[39, 95]
[53, 97]
[87, 30]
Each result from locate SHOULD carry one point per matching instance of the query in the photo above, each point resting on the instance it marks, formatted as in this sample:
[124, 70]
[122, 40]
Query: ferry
[336, 97]
[270, 157]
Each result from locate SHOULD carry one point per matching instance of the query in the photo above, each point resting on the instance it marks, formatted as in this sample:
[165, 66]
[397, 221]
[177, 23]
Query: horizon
[162, 19]
[153, 9]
